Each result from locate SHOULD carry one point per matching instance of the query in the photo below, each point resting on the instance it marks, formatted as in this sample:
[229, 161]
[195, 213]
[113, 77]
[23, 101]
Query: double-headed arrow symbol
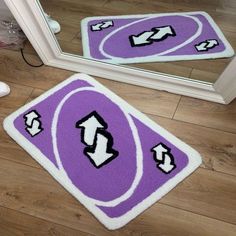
[164, 158]
[33, 123]
[155, 35]
[99, 142]
[206, 45]
[102, 25]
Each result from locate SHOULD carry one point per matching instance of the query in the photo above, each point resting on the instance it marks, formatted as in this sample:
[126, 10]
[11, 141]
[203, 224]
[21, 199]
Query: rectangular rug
[108, 155]
[153, 37]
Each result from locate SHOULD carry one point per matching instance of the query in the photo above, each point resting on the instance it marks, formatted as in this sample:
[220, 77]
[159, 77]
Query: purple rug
[108, 155]
[153, 37]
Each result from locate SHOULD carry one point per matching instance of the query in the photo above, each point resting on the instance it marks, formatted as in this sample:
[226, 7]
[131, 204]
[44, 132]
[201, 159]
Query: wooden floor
[70, 13]
[33, 203]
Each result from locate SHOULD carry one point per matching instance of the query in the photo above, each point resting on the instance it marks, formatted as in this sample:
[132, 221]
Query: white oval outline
[198, 32]
[139, 153]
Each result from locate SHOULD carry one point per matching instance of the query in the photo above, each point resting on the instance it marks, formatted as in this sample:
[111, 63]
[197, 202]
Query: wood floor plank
[166, 220]
[223, 19]
[197, 194]
[71, 47]
[219, 154]
[14, 223]
[32, 191]
[206, 193]
[46, 200]
[15, 70]
[208, 114]
[146, 100]
[204, 75]
[163, 67]
[11, 151]
[68, 32]
[211, 65]
[227, 7]
[74, 4]
[35, 94]
[8, 149]
[28, 48]
[17, 97]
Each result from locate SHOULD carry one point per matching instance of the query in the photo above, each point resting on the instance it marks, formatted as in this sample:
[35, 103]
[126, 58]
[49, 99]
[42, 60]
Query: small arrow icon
[141, 39]
[90, 124]
[206, 45]
[33, 123]
[101, 153]
[167, 166]
[35, 129]
[155, 35]
[102, 25]
[162, 33]
[165, 160]
[159, 150]
[30, 117]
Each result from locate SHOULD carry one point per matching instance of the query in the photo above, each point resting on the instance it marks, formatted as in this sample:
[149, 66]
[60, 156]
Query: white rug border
[110, 223]
[228, 52]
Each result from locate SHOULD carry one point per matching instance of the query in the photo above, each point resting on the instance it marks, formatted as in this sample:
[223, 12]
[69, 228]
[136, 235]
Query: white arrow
[30, 117]
[100, 154]
[142, 39]
[162, 32]
[35, 129]
[147, 37]
[96, 27]
[107, 24]
[212, 43]
[102, 25]
[90, 127]
[164, 158]
[201, 47]
[159, 150]
[167, 166]
[208, 44]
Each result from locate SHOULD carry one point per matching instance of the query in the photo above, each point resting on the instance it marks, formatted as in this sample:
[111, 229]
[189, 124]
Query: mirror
[189, 68]
[70, 13]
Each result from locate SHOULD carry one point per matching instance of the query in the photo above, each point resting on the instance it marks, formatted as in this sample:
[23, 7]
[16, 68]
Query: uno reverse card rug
[153, 37]
[108, 155]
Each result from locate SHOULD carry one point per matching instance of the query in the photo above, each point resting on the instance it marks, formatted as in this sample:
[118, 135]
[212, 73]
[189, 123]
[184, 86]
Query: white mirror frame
[29, 15]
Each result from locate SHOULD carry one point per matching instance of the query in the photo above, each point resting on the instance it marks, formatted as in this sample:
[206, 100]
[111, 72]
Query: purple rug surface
[108, 155]
[153, 37]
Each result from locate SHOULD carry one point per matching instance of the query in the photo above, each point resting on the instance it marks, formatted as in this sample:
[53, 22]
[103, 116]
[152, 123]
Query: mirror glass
[161, 33]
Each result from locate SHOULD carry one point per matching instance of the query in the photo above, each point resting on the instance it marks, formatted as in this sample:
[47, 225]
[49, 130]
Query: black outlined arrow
[33, 123]
[159, 150]
[30, 117]
[206, 45]
[165, 160]
[101, 152]
[156, 34]
[98, 141]
[102, 25]
[35, 128]
[90, 124]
